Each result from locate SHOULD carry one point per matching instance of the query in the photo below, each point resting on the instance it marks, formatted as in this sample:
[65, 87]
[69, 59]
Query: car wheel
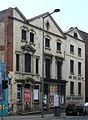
[66, 113]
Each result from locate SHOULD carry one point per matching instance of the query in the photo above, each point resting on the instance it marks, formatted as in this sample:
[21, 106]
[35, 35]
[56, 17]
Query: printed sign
[56, 100]
[51, 100]
[53, 92]
[35, 94]
[27, 95]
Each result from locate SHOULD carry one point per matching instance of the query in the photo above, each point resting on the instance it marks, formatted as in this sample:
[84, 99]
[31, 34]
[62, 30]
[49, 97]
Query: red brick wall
[9, 40]
[86, 68]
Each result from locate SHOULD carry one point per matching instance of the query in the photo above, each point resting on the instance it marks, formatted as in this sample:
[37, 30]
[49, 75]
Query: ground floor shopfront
[54, 95]
[28, 95]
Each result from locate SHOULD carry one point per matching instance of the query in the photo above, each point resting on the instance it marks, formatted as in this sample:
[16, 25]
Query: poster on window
[51, 100]
[27, 95]
[53, 92]
[56, 100]
[35, 94]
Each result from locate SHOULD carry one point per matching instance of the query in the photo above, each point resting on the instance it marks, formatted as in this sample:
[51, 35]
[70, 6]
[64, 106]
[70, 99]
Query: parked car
[75, 109]
[86, 108]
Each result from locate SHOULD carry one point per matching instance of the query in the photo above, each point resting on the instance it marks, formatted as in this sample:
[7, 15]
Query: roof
[20, 13]
[84, 34]
[79, 31]
[44, 14]
[36, 17]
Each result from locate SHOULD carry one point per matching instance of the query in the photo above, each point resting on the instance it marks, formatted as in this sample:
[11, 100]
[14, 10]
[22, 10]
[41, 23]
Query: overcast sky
[74, 13]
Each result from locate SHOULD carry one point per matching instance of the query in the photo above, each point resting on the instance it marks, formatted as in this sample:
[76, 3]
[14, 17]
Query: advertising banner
[53, 95]
[56, 100]
[27, 95]
[36, 94]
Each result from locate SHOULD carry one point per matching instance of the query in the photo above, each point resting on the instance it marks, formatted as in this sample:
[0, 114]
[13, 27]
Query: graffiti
[74, 98]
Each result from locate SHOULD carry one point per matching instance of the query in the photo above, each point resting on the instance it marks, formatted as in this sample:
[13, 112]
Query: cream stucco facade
[23, 55]
[75, 51]
[20, 80]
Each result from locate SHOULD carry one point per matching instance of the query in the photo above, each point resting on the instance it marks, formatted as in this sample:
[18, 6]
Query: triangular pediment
[75, 33]
[17, 14]
[48, 21]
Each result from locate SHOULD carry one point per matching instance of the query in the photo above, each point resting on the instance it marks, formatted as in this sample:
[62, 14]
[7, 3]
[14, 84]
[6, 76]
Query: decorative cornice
[48, 55]
[58, 82]
[28, 48]
[24, 80]
[60, 58]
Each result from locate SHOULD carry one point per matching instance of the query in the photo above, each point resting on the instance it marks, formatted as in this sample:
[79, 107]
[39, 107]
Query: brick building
[21, 49]
[85, 36]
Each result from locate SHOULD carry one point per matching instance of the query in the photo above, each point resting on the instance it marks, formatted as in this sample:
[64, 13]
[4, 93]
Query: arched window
[32, 36]
[75, 35]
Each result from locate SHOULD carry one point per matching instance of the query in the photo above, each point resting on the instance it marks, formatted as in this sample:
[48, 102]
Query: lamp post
[56, 10]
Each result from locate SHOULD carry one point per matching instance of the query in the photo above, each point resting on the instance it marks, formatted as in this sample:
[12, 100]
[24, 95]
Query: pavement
[35, 117]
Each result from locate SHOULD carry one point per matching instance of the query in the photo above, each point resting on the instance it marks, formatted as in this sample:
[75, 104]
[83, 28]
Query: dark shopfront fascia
[54, 94]
[28, 95]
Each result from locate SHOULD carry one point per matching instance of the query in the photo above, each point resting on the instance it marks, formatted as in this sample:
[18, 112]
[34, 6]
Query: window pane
[75, 35]
[47, 42]
[71, 48]
[28, 63]
[32, 37]
[23, 34]
[79, 51]
[71, 66]
[47, 68]
[17, 62]
[36, 65]
[79, 68]
[58, 46]
[19, 93]
[59, 70]
[71, 88]
[79, 88]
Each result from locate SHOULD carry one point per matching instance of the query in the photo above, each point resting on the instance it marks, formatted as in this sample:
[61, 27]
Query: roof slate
[84, 34]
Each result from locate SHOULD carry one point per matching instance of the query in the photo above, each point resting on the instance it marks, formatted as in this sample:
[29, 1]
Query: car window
[79, 106]
[71, 106]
